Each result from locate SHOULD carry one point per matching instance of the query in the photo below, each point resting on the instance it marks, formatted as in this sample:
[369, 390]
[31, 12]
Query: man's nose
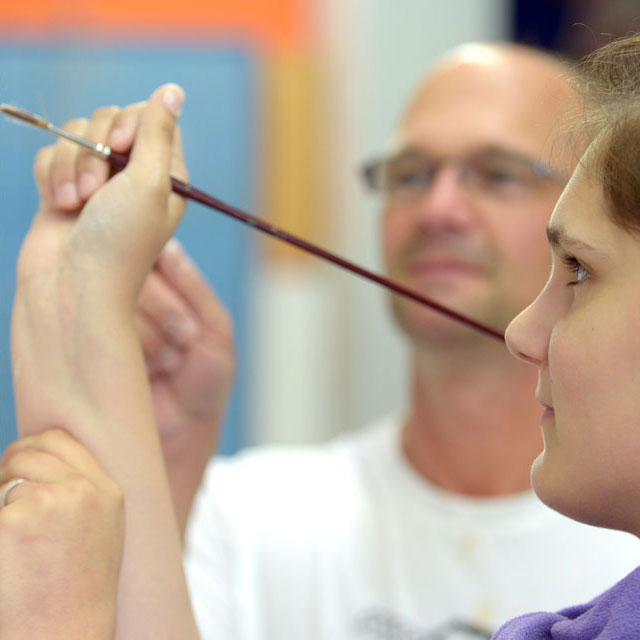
[446, 204]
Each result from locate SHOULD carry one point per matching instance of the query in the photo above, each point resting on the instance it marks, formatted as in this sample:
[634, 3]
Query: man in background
[424, 523]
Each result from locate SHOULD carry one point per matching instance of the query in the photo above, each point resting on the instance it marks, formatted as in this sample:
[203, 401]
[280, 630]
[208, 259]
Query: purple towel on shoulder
[614, 615]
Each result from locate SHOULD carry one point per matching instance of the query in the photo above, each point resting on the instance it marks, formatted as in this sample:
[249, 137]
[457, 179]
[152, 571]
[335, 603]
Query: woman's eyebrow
[558, 237]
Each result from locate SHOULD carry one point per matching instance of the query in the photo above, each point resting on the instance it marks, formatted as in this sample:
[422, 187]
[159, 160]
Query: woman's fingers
[63, 168]
[124, 128]
[8, 488]
[91, 171]
[49, 456]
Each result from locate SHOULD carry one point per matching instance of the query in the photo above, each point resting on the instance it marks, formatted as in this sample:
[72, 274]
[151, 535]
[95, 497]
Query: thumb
[127, 222]
[154, 141]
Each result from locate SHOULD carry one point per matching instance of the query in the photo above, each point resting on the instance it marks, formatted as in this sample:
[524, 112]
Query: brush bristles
[25, 116]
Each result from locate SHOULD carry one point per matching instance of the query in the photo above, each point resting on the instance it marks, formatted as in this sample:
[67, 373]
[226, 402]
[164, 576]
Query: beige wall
[326, 357]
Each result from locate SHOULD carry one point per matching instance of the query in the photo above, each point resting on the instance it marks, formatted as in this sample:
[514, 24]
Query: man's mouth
[437, 267]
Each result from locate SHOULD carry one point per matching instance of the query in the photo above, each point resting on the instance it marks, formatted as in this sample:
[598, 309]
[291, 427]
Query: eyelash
[581, 272]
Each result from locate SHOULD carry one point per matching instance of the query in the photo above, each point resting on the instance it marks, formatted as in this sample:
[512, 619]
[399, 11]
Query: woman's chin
[550, 487]
[589, 504]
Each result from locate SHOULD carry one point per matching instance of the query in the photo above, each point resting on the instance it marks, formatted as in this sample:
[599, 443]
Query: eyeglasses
[492, 173]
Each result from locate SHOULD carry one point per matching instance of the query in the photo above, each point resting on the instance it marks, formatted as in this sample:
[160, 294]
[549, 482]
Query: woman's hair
[609, 80]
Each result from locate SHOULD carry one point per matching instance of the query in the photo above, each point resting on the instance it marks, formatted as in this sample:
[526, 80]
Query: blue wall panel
[62, 82]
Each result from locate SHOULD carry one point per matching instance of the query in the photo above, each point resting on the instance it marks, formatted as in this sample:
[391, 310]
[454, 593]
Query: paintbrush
[118, 161]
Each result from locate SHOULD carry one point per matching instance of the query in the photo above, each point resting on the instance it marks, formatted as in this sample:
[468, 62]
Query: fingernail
[173, 98]
[182, 329]
[174, 246]
[87, 184]
[67, 195]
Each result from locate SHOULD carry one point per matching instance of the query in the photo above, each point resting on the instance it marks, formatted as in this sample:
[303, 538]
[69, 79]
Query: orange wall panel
[279, 24]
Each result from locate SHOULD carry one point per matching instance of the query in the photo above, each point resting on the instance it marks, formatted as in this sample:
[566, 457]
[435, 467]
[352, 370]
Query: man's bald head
[480, 250]
[527, 87]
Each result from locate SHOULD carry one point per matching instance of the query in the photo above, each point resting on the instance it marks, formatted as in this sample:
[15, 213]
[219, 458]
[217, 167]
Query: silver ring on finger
[12, 484]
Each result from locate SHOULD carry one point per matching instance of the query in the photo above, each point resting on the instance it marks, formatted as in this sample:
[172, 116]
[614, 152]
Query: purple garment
[613, 615]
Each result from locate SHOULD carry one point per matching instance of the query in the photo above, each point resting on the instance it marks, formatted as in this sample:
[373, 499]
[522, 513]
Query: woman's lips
[548, 414]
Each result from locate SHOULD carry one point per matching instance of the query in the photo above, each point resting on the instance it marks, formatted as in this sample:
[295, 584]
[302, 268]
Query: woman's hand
[125, 220]
[61, 537]
[77, 359]
[92, 243]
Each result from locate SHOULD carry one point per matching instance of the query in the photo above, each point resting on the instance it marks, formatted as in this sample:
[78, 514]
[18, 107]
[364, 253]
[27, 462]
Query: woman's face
[583, 334]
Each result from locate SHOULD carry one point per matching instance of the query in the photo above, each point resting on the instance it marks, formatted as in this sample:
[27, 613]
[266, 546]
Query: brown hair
[609, 79]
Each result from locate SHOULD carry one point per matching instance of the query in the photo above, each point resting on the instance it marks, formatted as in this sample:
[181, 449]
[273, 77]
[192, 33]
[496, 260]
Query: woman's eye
[581, 272]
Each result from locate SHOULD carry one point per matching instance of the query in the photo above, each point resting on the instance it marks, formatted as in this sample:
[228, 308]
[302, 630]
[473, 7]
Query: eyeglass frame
[372, 169]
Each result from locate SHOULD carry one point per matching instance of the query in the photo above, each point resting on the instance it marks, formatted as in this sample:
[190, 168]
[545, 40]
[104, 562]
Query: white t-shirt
[346, 541]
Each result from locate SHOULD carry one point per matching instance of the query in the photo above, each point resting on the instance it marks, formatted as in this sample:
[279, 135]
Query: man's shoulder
[320, 471]
[307, 458]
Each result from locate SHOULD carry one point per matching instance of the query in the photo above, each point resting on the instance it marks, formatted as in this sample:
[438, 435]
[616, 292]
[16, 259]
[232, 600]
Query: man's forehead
[495, 69]
[498, 86]
[484, 103]
[465, 126]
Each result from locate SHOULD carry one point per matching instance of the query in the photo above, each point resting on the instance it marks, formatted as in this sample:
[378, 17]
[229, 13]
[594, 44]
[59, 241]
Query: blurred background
[285, 100]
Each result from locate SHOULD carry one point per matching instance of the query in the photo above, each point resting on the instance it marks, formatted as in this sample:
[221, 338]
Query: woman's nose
[527, 335]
